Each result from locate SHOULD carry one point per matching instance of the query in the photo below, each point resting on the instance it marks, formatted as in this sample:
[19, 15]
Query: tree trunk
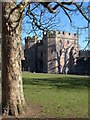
[12, 88]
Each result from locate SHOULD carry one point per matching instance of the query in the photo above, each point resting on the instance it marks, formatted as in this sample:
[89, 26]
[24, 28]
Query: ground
[55, 96]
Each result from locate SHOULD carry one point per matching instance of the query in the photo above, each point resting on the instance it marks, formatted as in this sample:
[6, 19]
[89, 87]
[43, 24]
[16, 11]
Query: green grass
[63, 96]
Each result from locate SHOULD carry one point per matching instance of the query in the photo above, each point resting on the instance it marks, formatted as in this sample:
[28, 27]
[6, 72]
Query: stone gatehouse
[57, 52]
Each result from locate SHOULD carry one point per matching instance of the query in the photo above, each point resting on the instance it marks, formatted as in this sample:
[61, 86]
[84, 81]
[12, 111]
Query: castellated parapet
[60, 34]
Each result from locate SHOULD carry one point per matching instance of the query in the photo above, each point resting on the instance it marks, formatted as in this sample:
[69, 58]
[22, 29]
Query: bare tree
[37, 21]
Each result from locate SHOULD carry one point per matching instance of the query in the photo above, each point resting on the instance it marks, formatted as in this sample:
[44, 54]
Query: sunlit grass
[63, 96]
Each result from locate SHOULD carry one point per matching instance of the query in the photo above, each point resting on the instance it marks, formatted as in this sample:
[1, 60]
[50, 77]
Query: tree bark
[12, 88]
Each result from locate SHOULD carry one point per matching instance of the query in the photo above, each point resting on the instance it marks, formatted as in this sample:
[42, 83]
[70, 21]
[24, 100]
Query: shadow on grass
[67, 82]
[58, 82]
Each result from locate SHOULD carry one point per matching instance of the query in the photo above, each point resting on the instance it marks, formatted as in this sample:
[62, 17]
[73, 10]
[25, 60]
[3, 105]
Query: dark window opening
[53, 47]
[74, 34]
[63, 33]
[51, 51]
[45, 51]
[74, 41]
[41, 54]
[60, 52]
[60, 41]
[67, 42]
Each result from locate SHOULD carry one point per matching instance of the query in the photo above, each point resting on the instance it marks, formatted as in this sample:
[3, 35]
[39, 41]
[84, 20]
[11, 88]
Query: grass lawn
[54, 95]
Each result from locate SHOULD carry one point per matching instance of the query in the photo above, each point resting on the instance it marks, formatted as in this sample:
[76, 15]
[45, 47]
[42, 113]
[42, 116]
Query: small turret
[29, 41]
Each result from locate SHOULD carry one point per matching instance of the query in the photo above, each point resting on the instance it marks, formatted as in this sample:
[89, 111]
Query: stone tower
[33, 54]
[30, 53]
[61, 51]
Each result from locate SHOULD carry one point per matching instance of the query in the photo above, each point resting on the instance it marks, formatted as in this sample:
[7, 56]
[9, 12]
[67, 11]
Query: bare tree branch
[80, 10]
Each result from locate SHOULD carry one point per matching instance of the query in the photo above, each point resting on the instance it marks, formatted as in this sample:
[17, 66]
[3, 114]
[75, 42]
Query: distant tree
[12, 15]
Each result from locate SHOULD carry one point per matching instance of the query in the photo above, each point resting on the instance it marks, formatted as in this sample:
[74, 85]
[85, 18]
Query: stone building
[57, 52]
[83, 63]
[33, 54]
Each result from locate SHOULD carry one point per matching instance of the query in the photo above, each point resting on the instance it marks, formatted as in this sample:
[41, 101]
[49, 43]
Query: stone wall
[45, 54]
[30, 54]
[83, 63]
[33, 55]
[51, 55]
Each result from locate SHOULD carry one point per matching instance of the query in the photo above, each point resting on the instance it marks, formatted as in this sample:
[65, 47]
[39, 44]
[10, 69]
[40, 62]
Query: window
[41, 54]
[63, 32]
[60, 41]
[45, 51]
[51, 51]
[67, 41]
[60, 52]
[53, 47]
[74, 34]
[75, 41]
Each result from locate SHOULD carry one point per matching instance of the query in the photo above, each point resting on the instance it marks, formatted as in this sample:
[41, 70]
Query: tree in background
[12, 15]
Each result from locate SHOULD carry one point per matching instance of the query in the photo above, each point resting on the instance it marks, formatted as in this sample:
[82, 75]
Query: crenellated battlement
[84, 53]
[52, 34]
[65, 33]
[31, 39]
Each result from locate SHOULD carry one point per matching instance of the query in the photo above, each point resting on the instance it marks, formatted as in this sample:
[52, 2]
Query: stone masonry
[62, 51]
[57, 52]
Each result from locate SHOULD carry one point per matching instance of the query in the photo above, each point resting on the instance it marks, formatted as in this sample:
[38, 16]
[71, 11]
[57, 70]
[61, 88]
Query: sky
[62, 24]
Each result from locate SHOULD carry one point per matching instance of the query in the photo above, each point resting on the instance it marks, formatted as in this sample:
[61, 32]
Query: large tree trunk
[12, 89]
